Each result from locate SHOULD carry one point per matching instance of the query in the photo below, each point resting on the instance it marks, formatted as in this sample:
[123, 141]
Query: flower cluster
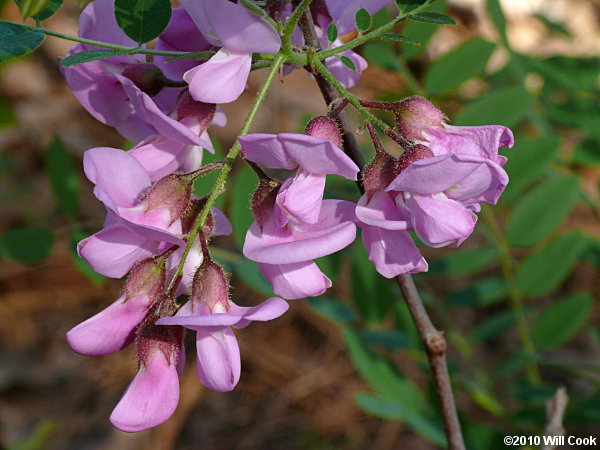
[153, 233]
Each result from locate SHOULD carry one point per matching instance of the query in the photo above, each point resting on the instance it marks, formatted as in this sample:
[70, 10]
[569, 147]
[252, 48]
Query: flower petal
[294, 281]
[219, 362]
[392, 252]
[221, 79]
[111, 330]
[299, 199]
[381, 211]
[151, 398]
[439, 221]
[334, 231]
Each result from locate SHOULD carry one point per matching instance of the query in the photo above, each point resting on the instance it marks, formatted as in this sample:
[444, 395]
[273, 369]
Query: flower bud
[210, 289]
[146, 278]
[172, 193]
[325, 128]
[263, 200]
[147, 77]
[415, 153]
[414, 115]
[380, 172]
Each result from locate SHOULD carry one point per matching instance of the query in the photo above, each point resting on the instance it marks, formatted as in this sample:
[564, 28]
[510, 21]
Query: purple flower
[343, 12]
[240, 33]
[211, 314]
[152, 396]
[441, 194]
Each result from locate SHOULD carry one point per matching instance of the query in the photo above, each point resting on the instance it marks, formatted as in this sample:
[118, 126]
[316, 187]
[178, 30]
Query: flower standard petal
[221, 79]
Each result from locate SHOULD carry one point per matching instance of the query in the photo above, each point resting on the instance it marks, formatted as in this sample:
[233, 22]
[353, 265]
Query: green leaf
[504, 106]
[481, 293]
[332, 309]
[7, 115]
[81, 264]
[495, 11]
[244, 184]
[540, 211]
[363, 20]
[432, 17]
[370, 294]
[17, 40]
[142, 20]
[29, 245]
[552, 25]
[459, 65]
[399, 38]
[388, 339]
[347, 62]
[560, 322]
[50, 7]
[381, 54]
[421, 32]
[332, 32]
[527, 160]
[492, 327]
[64, 177]
[546, 269]
[587, 154]
[90, 55]
[29, 8]
[464, 262]
[407, 6]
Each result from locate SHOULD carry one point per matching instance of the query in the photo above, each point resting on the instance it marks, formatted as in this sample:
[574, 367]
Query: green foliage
[90, 55]
[144, 20]
[347, 62]
[244, 185]
[544, 270]
[540, 211]
[459, 65]
[503, 106]
[38, 9]
[432, 17]
[332, 32]
[17, 40]
[559, 323]
[332, 309]
[64, 177]
[363, 20]
[464, 262]
[28, 245]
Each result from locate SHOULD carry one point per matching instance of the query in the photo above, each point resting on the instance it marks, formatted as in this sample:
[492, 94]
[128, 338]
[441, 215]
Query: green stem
[514, 294]
[290, 25]
[132, 50]
[222, 178]
[354, 101]
[377, 32]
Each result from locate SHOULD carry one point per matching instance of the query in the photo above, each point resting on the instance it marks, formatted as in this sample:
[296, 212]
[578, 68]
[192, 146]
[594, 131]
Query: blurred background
[517, 301]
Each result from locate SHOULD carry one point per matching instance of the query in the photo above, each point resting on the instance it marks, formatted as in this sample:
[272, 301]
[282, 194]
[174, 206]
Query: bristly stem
[229, 160]
[288, 28]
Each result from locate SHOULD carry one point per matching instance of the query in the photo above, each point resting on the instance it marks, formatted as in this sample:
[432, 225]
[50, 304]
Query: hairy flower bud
[191, 112]
[414, 115]
[380, 172]
[210, 289]
[146, 278]
[147, 77]
[325, 128]
[415, 153]
[263, 200]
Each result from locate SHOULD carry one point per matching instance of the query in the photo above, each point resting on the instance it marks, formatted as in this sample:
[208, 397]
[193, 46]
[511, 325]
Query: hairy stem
[514, 294]
[229, 160]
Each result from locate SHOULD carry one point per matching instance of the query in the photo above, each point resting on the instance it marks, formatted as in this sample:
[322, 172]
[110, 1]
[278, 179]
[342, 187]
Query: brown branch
[555, 411]
[433, 339]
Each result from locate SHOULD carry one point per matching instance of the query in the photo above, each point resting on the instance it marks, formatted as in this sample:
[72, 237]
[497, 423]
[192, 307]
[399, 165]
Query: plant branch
[433, 339]
[377, 32]
[222, 178]
[514, 294]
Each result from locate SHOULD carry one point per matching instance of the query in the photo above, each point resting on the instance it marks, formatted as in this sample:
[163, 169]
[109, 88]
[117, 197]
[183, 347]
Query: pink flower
[239, 33]
[211, 314]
